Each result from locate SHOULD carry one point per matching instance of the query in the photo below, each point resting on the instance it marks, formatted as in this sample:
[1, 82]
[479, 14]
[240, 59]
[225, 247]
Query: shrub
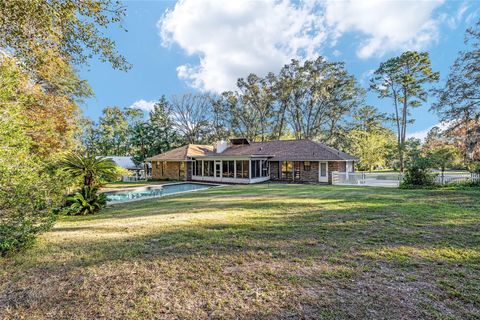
[474, 167]
[418, 174]
[92, 170]
[30, 188]
[86, 201]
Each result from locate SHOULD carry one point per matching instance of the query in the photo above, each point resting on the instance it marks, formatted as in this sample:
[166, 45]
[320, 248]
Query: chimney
[221, 146]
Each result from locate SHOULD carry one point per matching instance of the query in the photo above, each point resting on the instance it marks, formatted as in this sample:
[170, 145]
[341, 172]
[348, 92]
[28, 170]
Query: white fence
[393, 179]
[449, 178]
[366, 179]
[132, 178]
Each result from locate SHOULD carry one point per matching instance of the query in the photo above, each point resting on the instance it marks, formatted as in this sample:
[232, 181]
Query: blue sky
[204, 45]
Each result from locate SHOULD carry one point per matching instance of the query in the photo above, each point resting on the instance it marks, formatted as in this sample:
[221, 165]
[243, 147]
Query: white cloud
[143, 105]
[387, 25]
[235, 38]
[422, 134]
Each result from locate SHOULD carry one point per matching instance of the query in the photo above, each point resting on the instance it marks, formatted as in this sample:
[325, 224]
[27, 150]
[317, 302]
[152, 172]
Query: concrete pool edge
[212, 185]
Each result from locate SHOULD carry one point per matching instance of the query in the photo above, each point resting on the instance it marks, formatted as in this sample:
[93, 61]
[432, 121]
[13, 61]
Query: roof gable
[182, 153]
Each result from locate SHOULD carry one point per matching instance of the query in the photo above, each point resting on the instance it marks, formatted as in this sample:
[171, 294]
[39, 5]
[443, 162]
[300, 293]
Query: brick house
[242, 161]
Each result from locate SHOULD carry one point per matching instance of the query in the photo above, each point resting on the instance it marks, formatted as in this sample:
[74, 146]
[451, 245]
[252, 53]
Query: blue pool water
[153, 191]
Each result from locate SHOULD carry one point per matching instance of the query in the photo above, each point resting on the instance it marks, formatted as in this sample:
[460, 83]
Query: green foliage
[371, 147]
[309, 100]
[443, 157]
[418, 174]
[126, 132]
[31, 189]
[458, 101]
[91, 169]
[160, 130]
[404, 79]
[369, 140]
[68, 31]
[41, 41]
[86, 201]
[474, 166]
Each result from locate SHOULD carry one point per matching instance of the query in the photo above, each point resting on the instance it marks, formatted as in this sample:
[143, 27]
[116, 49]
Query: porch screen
[228, 169]
[255, 168]
[208, 168]
[197, 170]
[242, 169]
[265, 168]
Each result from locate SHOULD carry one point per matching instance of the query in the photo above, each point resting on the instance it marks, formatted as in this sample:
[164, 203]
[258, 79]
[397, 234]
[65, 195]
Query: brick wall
[274, 165]
[305, 176]
[163, 170]
[309, 176]
[340, 166]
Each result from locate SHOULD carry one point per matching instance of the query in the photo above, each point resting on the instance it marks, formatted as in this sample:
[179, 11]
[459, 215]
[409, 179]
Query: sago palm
[91, 169]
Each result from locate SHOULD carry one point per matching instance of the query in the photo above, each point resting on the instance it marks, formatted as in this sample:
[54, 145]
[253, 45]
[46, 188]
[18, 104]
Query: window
[265, 168]
[228, 169]
[323, 169]
[307, 166]
[296, 170]
[181, 170]
[255, 168]
[242, 169]
[287, 170]
[197, 168]
[208, 168]
[164, 166]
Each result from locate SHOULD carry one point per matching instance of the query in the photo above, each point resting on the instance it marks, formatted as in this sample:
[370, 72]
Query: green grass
[263, 251]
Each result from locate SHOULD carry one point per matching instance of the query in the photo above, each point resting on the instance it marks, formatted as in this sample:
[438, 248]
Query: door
[218, 169]
[323, 172]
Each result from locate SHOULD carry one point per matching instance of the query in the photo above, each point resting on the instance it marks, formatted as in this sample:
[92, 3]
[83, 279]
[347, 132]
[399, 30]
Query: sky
[206, 45]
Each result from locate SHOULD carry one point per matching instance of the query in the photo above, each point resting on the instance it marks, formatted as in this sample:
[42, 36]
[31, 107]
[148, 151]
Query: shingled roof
[286, 150]
[279, 150]
[182, 153]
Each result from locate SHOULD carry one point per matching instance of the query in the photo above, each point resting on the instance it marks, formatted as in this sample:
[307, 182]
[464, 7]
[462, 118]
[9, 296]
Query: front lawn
[263, 251]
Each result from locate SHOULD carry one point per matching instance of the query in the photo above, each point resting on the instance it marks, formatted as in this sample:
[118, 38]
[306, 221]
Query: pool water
[153, 191]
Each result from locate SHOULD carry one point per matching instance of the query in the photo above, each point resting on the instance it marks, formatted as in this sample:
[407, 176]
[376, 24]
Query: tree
[113, 132]
[322, 93]
[443, 157]
[63, 32]
[255, 110]
[92, 170]
[191, 116]
[41, 43]
[435, 138]
[458, 101]
[371, 147]
[161, 128]
[88, 136]
[404, 79]
[368, 118]
[30, 189]
[221, 118]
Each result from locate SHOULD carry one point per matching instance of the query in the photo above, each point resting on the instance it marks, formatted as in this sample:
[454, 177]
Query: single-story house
[242, 161]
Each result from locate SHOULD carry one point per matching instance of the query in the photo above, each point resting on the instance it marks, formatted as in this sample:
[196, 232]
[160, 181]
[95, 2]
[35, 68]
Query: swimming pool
[153, 191]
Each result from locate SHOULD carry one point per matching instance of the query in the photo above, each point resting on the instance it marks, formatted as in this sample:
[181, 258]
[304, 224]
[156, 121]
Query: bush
[474, 167]
[86, 201]
[31, 189]
[418, 174]
[29, 196]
